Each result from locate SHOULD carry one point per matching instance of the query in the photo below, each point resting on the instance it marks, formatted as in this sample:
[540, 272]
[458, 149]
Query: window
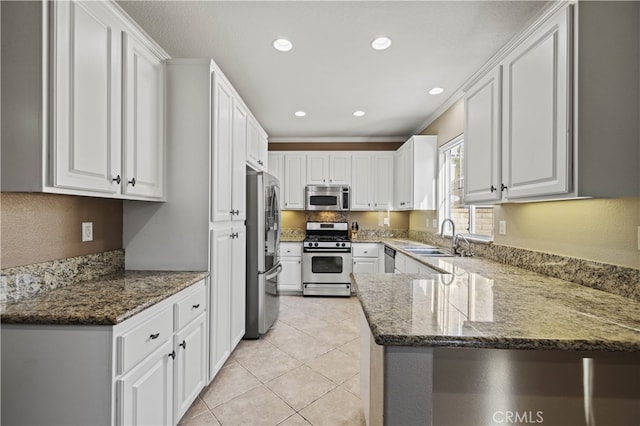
[469, 219]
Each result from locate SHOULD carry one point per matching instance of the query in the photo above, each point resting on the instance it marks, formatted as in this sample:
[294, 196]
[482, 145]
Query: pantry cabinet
[534, 121]
[416, 174]
[240, 123]
[257, 145]
[94, 89]
[238, 283]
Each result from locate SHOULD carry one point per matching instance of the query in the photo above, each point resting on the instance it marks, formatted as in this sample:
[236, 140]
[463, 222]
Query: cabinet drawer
[288, 250]
[365, 250]
[137, 343]
[190, 306]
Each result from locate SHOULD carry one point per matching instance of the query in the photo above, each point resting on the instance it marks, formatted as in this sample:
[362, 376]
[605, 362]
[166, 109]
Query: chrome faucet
[453, 234]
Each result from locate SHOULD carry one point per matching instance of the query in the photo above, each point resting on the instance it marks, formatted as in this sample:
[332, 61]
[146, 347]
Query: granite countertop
[483, 304]
[105, 301]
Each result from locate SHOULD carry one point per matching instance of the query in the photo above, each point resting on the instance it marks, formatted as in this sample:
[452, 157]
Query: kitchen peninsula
[486, 343]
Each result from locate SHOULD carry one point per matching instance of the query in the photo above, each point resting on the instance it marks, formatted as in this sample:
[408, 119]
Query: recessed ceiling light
[299, 113]
[381, 43]
[358, 113]
[436, 91]
[282, 44]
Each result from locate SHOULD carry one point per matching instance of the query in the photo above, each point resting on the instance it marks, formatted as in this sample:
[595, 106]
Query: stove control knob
[337, 244]
[315, 244]
[343, 244]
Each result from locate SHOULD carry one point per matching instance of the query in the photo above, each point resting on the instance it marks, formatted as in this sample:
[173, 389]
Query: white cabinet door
[238, 283]
[190, 365]
[482, 145]
[220, 303]
[535, 106]
[290, 279]
[340, 169]
[145, 394]
[365, 265]
[238, 157]
[276, 165]
[383, 181]
[317, 169]
[294, 181]
[87, 60]
[257, 145]
[404, 171]
[143, 145]
[361, 184]
[221, 167]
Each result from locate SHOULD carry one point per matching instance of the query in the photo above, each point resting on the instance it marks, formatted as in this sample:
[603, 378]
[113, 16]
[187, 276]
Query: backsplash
[23, 281]
[613, 279]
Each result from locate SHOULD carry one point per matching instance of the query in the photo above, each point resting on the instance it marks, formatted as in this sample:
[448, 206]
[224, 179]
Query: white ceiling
[332, 70]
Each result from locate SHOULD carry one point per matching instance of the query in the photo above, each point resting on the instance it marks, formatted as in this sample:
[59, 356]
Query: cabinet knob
[116, 180]
[183, 344]
[173, 354]
[503, 186]
[154, 336]
[493, 188]
[196, 306]
[133, 182]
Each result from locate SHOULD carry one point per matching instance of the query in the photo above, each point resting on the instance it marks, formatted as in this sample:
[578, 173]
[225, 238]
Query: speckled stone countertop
[483, 304]
[104, 301]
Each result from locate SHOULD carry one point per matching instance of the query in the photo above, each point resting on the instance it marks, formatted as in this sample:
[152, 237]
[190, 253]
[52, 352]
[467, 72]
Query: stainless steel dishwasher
[389, 260]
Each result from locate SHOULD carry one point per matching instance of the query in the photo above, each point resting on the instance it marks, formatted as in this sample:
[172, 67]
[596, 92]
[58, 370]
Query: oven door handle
[274, 273]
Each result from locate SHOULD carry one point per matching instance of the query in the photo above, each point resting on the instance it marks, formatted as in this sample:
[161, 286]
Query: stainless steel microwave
[326, 198]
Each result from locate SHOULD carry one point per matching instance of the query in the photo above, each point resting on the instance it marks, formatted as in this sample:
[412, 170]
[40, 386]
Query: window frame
[444, 203]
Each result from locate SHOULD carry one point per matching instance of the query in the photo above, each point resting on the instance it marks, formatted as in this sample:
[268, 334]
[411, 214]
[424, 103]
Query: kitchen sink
[427, 251]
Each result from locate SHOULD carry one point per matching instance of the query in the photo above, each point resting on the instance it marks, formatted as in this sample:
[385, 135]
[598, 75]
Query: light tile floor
[304, 371]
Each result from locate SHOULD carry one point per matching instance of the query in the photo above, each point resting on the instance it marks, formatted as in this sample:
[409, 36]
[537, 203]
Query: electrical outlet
[434, 223]
[386, 221]
[503, 227]
[87, 231]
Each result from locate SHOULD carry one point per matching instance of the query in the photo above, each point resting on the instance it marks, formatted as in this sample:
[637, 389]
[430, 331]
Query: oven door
[326, 267]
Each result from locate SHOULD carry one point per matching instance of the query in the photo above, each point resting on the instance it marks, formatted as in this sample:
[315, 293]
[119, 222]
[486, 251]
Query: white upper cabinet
[539, 124]
[372, 181]
[383, 180]
[482, 140]
[416, 173]
[87, 59]
[93, 84]
[257, 145]
[361, 185]
[294, 182]
[535, 106]
[221, 166]
[144, 120]
[328, 169]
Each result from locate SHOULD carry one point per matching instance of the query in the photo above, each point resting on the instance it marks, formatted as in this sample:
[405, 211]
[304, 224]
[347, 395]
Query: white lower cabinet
[190, 365]
[146, 370]
[366, 257]
[290, 279]
[145, 393]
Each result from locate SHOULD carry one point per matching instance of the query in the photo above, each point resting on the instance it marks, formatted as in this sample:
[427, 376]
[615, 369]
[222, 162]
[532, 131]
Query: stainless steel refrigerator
[263, 261]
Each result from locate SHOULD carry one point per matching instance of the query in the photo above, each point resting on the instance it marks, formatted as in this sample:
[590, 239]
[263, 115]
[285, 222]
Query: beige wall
[603, 230]
[41, 227]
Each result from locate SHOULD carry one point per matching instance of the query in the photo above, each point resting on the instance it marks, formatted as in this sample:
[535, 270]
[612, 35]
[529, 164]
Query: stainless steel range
[326, 260]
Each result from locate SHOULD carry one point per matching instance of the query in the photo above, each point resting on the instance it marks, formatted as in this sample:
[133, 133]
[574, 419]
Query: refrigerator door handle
[273, 274]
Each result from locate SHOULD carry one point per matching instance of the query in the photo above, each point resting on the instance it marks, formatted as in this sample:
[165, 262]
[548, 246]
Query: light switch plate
[87, 231]
[386, 221]
[503, 227]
